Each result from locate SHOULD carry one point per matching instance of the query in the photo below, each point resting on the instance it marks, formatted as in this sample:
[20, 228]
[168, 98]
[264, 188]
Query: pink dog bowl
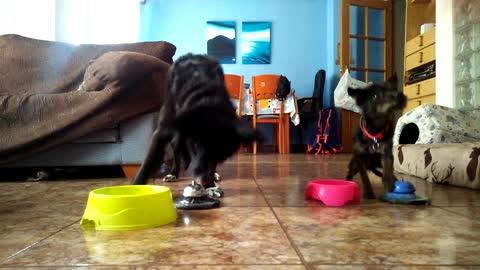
[333, 192]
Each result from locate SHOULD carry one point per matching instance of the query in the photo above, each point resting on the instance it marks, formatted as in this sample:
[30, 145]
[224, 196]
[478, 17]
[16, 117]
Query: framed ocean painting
[256, 43]
[221, 40]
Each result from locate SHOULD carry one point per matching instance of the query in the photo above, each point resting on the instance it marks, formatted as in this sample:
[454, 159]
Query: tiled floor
[264, 223]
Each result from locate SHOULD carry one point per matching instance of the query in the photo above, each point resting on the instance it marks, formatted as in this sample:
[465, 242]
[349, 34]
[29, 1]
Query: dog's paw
[216, 192]
[217, 177]
[169, 178]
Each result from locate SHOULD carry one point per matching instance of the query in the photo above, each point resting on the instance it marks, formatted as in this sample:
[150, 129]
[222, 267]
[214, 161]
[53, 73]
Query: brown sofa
[60, 108]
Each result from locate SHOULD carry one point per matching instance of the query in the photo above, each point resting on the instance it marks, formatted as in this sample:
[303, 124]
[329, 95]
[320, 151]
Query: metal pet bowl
[130, 207]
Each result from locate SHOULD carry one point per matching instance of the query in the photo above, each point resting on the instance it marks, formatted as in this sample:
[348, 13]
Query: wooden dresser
[419, 73]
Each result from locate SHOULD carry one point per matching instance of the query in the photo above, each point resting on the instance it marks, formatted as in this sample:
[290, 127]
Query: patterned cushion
[442, 163]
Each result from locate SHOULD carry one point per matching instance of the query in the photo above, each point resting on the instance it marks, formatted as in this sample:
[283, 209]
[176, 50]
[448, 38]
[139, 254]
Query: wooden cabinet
[419, 60]
[419, 42]
[420, 93]
[419, 53]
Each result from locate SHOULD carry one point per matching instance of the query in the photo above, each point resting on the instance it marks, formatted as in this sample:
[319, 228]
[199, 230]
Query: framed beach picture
[256, 43]
[221, 40]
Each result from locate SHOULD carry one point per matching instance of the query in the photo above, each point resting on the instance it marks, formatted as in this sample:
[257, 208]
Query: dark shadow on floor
[60, 173]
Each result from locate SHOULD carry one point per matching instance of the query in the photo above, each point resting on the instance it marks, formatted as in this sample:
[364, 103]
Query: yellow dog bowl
[130, 207]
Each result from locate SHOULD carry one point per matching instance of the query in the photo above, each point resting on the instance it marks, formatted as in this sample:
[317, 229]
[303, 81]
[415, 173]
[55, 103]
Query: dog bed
[429, 124]
[440, 145]
[453, 164]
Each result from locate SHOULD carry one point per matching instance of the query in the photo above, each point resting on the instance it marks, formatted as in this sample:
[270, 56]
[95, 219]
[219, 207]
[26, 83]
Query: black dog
[181, 156]
[199, 120]
[381, 105]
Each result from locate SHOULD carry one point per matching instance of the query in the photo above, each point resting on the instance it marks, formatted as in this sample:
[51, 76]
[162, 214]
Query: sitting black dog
[381, 105]
[198, 118]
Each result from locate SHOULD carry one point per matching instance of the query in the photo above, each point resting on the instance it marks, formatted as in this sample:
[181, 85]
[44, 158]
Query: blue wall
[304, 34]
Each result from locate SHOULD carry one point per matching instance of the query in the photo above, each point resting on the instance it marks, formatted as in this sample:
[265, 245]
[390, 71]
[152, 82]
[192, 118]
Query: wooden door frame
[349, 119]
[345, 32]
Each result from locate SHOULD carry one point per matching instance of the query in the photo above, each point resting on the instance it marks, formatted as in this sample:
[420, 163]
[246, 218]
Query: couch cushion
[121, 67]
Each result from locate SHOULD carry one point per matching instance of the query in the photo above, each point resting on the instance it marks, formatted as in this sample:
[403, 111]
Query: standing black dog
[198, 118]
[181, 156]
[381, 105]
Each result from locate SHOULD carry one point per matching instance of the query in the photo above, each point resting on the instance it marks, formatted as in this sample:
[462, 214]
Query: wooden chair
[264, 87]
[234, 84]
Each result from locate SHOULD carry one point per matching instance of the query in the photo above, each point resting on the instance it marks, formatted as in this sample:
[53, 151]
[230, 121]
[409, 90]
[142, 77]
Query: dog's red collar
[373, 137]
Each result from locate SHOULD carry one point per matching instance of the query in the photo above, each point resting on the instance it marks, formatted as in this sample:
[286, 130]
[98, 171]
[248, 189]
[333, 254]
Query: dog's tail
[247, 133]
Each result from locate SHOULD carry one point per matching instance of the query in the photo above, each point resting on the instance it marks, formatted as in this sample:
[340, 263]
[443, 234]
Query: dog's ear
[354, 93]
[246, 133]
[392, 82]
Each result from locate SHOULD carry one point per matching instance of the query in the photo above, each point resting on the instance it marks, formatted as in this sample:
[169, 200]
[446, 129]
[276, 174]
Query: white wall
[31, 18]
[97, 21]
[444, 53]
[74, 21]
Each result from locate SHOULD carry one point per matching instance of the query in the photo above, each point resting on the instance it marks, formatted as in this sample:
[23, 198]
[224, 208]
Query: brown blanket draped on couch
[42, 105]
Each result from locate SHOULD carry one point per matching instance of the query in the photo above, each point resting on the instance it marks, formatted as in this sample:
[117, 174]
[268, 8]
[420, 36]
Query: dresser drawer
[415, 102]
[420, 42]
[421, 57]
[420, 89]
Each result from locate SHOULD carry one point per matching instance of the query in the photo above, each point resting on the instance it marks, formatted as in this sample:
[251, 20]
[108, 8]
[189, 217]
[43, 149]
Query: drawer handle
[421, 57]
[420, 42]
[418, 89]
[419, 102]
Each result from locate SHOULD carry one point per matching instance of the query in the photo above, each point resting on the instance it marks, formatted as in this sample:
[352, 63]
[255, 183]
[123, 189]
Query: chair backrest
[264, 86]
[318, 90]
[234, 85]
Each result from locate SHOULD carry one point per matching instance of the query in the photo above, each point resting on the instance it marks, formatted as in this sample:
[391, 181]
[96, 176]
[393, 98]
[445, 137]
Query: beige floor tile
[31, 212]
[382, 235]
[39, 225]
[172, 267]
[472, 212]
[220, 236]
[392, 267]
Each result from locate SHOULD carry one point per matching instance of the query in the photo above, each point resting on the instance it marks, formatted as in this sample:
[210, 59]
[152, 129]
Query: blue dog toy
[403, 193]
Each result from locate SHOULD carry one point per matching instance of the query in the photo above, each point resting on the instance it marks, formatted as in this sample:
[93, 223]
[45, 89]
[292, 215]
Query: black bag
[325, 138]
[283, 88]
